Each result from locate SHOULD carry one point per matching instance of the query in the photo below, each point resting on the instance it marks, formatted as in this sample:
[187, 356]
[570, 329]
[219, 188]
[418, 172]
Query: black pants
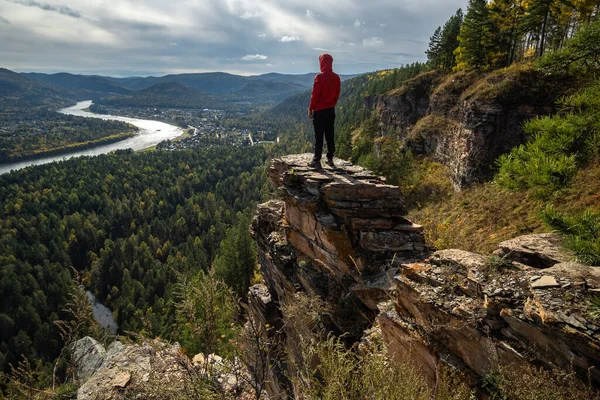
[323, 121]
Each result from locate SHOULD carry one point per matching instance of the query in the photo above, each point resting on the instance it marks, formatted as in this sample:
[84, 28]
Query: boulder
[539, 251]
[88, 356]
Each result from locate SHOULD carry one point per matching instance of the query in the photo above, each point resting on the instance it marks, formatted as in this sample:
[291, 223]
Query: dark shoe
[330, 162]
[315, 164]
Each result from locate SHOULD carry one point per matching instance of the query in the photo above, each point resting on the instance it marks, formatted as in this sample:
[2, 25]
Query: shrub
[560, 145]
[531, 383]
[582, 233]
[333, 372]
[206, 312]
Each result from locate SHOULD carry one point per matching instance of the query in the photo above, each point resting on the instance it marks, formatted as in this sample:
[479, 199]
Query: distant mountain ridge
[209, 82]
[18, 91]
[84, 87]
[206, 90]
[166, 95]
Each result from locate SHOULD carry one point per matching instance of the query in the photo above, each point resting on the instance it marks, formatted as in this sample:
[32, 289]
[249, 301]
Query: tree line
[497, 33]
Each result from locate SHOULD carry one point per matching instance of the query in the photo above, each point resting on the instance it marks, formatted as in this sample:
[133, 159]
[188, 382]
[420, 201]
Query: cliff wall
[341, 235]
[468, 119]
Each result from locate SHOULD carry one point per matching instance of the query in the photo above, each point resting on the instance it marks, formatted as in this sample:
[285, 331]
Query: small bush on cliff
[333, 373]
[206, 312]
[560, 145]
[530, 383]
[582, 233]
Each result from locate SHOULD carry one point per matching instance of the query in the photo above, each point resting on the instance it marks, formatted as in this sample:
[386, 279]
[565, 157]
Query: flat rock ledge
[346, 216]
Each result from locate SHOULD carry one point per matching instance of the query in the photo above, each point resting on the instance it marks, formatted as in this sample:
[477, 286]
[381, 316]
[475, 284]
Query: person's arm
[314, 98]
[338, 88]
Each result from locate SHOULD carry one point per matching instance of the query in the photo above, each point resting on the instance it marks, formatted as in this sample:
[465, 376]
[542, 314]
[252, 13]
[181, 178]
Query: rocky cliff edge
[340, 234]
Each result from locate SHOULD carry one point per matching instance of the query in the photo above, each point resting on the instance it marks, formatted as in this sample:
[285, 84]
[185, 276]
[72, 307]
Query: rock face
[467, 120]
[333, 234]
[482, 315]
[340, 235]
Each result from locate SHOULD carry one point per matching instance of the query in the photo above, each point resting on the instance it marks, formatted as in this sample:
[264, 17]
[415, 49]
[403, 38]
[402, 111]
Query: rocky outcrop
[152, 370]
[484, 315]
[467, 120]
[333, 234]
[402, 108]
[539, 251]
[340, 235]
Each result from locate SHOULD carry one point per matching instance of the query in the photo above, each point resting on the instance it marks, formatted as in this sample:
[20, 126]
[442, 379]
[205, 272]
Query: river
[102, 314]
[150, 134]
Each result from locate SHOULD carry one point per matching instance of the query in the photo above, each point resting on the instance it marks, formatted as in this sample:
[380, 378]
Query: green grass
[147, 150]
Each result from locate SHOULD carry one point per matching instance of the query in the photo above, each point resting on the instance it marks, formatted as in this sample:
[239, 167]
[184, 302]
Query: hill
[217, 82]
[268, 91]
[84, 87]
[166, 95]
[213, 82]
[19, 92]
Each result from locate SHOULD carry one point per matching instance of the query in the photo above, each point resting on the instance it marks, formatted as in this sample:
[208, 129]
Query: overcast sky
[157, 37]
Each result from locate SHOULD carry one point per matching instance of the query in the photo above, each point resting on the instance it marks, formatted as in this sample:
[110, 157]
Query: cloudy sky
[154, 37]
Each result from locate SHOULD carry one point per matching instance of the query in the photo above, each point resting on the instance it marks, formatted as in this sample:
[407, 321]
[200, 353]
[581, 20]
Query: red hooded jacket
[326, 89]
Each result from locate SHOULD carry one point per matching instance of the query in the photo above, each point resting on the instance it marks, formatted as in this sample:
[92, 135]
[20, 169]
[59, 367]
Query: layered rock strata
[333, 234]
[461, 307]
[340, 235]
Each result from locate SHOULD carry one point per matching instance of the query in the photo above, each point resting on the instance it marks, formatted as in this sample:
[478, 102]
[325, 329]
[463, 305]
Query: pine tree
[434, 52]
[237, 257]
[476, 42]
[507, 16]
[449, 39]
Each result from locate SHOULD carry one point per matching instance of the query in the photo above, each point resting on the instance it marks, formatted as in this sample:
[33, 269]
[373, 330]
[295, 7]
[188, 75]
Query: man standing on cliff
[325, 95]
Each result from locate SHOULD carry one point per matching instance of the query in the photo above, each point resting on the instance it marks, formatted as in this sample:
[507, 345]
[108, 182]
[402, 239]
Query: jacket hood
[326, 62]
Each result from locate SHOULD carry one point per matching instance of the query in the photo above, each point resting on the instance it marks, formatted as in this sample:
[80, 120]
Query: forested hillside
[19, 92]
[28, 134]
[84, 87]
[129, 223]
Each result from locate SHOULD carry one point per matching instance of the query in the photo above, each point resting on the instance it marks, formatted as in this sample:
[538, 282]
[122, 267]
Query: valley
[166, 237]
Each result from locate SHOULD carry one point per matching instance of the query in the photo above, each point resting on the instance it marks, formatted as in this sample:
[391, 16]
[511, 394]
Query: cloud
[4, 20]
[373, 42]
[61, 9]
[357, 24]
[136, 37]
[254, 57]
[251, 14]
[288, 39]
